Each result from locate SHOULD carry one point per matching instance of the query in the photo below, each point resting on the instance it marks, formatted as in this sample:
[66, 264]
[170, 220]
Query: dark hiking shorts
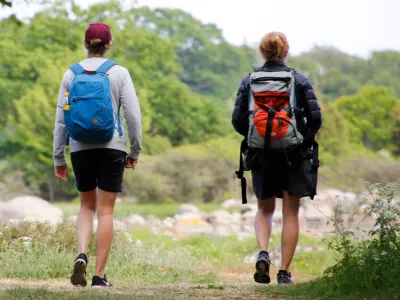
[102, 168]
[296, 179]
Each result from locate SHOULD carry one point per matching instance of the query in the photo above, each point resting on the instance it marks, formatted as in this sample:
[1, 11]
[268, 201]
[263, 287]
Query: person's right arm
[132, 113]
[240, 120]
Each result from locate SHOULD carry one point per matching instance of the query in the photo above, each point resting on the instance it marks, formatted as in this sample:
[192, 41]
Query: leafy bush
[350, 172]
[370, 267]
[203, 172]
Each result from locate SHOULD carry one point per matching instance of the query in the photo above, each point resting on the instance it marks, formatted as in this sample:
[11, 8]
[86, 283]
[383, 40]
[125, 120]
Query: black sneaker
[284, 277]
[98, 282]
[78, 277]
[262, 268]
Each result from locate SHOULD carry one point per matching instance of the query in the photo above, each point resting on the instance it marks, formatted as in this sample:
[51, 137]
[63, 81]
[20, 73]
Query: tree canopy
[186, 75]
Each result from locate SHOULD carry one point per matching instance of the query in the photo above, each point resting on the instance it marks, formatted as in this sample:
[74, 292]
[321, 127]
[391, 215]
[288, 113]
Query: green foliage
[171, 174]
[336, 73]
[369, 115]
[186, 75]
[31, 130]
[350, 171]
[369, 267]
[211, 66]
[334, 136]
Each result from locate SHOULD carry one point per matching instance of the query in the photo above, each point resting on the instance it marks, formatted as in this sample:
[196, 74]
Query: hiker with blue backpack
[88, 119]
[277, 112]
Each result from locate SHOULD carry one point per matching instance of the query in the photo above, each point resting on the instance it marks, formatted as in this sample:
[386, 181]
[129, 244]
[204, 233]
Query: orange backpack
[271, 105]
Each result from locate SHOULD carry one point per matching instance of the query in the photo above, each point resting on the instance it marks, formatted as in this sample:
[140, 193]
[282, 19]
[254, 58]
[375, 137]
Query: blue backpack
[90, 117]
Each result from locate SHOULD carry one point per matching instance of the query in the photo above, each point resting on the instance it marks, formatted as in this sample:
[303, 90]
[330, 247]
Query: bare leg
[105, 229]
[263, 222]
[290, 230]
[84, 221]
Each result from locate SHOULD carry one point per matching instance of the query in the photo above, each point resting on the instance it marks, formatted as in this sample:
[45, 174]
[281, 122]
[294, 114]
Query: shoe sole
[78, 277]
[262, 272]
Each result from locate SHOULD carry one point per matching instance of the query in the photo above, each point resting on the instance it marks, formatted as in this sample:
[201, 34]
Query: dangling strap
[314, 169]
[240, 173]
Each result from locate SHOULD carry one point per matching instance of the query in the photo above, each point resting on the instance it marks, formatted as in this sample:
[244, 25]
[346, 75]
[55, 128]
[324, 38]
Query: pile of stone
[315, 216]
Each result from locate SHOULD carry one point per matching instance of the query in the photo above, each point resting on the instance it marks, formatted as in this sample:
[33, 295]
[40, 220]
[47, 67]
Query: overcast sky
[354, 26]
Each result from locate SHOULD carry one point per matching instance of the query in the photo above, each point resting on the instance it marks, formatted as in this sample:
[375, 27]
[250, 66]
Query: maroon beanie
[99, 31]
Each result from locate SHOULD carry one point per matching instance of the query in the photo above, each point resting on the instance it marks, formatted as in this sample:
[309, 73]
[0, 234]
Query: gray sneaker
[284, 277]
[262, 268]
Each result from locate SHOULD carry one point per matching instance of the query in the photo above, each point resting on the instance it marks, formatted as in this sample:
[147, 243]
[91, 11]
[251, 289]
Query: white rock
[190, 224]
[152, 221]
[195, 215]
[135, 220]
[231, 203]
[219, 217]
[187, 208]
[30, 208]
[169, 222]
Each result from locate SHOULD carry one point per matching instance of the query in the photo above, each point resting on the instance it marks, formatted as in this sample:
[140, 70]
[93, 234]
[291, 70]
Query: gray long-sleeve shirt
[123, 94]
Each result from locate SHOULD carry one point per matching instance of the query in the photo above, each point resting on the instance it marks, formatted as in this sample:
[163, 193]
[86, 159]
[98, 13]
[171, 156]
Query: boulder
[30, 208]
[232, 203]
[187, 208]
[191, 224]
[135, 220]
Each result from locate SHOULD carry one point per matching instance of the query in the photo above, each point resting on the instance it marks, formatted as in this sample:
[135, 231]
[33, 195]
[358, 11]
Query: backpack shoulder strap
[106, 66]
[77, 69]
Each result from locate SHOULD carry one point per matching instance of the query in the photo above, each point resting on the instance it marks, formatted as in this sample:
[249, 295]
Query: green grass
[230, 251]
[155, 259]
[125, 209]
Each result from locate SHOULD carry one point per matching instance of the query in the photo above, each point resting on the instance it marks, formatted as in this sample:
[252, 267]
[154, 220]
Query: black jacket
[306, 100]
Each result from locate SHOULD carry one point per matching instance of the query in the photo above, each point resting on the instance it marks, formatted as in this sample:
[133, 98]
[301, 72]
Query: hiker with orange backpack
[278, 114]
[91, 95]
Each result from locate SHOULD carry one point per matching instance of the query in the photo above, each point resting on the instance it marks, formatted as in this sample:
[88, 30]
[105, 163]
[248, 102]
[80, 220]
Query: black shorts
[295, 179]
[102, 168]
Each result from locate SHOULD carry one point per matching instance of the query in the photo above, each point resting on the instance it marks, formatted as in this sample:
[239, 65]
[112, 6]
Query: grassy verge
[39, 252]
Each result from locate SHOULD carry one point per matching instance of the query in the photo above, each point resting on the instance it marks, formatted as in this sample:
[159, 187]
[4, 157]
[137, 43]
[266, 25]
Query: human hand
[62, 172]
[131, 163]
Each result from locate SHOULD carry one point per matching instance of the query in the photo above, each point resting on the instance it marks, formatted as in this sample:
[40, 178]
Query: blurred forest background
[186, 76]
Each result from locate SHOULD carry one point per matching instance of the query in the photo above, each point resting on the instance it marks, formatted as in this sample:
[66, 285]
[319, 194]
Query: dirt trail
[235, 285]
[61, 289]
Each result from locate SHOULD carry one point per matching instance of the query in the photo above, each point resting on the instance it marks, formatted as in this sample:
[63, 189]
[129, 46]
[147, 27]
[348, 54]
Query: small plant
[368, 267]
